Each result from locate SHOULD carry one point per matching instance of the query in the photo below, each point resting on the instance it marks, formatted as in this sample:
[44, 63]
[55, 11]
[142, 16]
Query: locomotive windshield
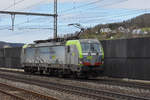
[94, 47]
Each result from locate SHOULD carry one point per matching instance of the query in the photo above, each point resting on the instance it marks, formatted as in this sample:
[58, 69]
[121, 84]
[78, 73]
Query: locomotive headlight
[80, 62]
[103, 62]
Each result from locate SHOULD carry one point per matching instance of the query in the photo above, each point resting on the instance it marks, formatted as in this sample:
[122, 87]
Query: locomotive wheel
[41, 71]
[60, 74]
[26, 70]
[85, 77]
[82, 76]
[74, 75]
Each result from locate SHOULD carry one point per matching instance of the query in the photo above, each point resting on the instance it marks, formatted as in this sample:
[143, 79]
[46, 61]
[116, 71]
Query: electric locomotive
[78, 58]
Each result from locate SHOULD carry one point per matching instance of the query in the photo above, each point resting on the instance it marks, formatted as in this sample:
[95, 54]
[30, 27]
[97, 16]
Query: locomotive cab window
[86, 47]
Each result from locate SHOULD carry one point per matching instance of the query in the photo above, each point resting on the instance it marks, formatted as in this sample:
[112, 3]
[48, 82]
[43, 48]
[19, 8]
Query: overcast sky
[86, 12]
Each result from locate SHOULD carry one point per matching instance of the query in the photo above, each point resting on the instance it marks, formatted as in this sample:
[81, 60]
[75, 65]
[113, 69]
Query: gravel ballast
[41, 90]
[64, 96]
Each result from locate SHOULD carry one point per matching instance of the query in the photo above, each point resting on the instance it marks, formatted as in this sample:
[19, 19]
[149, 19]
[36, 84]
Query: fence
[127, 58]
[10, 57]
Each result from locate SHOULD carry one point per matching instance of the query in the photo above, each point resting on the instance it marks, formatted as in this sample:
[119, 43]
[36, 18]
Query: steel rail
[62, 87]
[12, 95]
[121, 83]
[101, 81]
[59, 87]
[26, 91]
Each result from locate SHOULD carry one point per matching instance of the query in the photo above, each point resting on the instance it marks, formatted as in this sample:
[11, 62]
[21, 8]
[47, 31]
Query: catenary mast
[55, 19]
[13, 13]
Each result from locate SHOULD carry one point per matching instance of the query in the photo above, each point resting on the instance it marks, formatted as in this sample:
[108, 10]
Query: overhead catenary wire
[91, 8]
[96, 19]
[124, 14]
[14, 4]
[30, 21]
[80, 6]
[24, 22]
[31, 6]
[109, 19]
[107, 4]
[93, 19]
[105, 16]
[99, 17]
[28, 13]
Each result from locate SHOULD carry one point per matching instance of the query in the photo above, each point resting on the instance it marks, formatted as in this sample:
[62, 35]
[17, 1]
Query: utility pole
[55, 19]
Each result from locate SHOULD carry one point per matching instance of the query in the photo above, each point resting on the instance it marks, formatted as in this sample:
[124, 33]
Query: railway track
[22, 94]
[118, 83]
[122, 83]
[100, 81]
[85, 92]
[58, 87]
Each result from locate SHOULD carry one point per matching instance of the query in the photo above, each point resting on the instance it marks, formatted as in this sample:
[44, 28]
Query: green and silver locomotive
[78, 58]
